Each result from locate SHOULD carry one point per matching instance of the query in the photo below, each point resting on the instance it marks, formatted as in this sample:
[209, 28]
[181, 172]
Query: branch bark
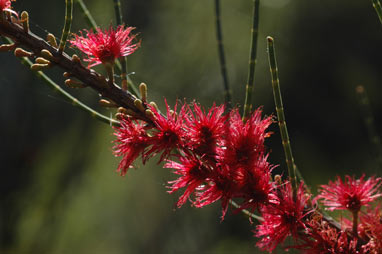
[91, 78]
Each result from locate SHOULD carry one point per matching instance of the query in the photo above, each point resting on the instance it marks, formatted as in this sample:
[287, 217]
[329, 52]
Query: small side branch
[252, 60]
[223, 67]
[89, 77]
[127, 84]
[369, 121]
[280, 114]
[378, 8]
[67, 26]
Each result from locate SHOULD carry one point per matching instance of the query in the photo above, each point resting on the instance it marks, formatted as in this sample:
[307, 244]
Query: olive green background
[59, 189]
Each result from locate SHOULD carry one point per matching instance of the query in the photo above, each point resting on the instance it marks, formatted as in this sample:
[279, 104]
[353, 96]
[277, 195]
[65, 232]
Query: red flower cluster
[106, 46]
[218, 156]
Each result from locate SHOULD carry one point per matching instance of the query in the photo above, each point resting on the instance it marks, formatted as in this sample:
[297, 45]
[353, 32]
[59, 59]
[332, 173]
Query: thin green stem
[68, 24]
[378, 8]
[74, 101]
[252, 60]
[219, 37]
[280, 114]
[127, 84]
[369, 121]
[88, 17]
[246, 212]
[118, 11]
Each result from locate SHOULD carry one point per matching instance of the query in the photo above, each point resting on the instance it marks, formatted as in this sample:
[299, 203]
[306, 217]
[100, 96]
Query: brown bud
[39, 67]
[153, 104]
[52, 40]
[76, 58]
[41, 60]
[149, 113]
[143, 91]
[122, 110]
[67, 74]
[74, 84]
[107, 104]
[19, 52]
[7, 47]
[46, 54]
[139, 104]
[25, 20]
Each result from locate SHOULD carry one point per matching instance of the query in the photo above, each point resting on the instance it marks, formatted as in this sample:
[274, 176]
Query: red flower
[192, 173]
[245, 141]
[282, 219]
[5, 5]
[169, 133]
[131, 142]
[371, 225]
[254, 185]
[324, 239]
[220, 187]
[206, 130]
[351, 194]
[106, 46]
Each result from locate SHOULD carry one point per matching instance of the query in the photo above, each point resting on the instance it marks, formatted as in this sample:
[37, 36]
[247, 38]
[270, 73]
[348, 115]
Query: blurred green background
[59, 189]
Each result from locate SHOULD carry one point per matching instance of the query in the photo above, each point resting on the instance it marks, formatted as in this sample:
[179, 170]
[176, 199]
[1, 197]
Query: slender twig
[74, 101]
[88, 17]
[280, 114]
[378, 8]
[252, 60]
[246, 212]
[68, 24]
[223, 67]
[89, 77]
[126, 84]
[369, 121]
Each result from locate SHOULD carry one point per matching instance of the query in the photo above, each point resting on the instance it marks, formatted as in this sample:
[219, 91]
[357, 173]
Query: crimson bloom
[131, 142]
[192, 174]
[245, 141]
[350, 194]
[286, 217]
[106, 46]
[169, 131]
[206, 130]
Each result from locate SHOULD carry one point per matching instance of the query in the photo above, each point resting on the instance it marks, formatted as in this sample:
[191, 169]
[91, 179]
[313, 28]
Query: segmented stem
[74, 101]
[378, 8]
[118, 11]
[246, 212]
[280, 114]
[369, 121]
[219, 37]
[68, 24]
[127, 84]
[88, 17]
[252, 60]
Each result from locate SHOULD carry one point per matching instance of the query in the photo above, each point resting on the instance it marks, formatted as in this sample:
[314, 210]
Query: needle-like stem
[68, 24]
[223, 67]
[252, 60]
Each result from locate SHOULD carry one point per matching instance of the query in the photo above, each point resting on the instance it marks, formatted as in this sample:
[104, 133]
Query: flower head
[106, 46]
[206, 130]
[132, 140]
[192, 173]
[245, 141]
[350, 194]
[284, 218]
[169, 131]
